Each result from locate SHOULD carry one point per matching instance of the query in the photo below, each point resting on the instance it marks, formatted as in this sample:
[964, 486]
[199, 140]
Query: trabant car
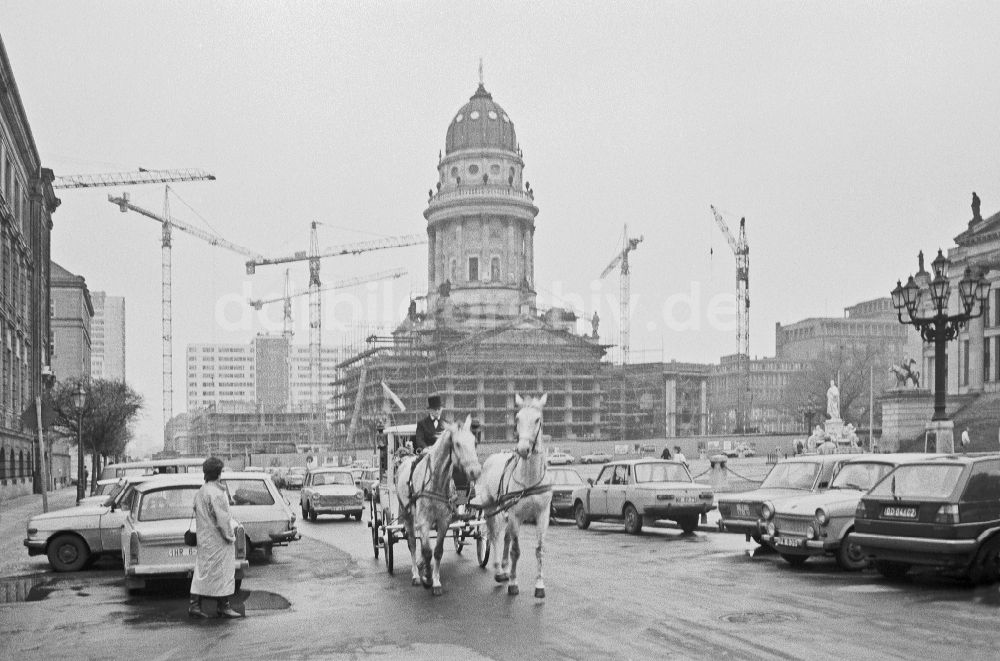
[295, 477]
[941, 513]
[152, 537]
[257, 504]
[789, 478]
[331, 491]
[641, 491]
[559, 458]
[823, 523]
[595, 458]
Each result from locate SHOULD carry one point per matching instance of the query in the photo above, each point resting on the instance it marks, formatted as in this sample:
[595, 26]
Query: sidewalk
[14, 515]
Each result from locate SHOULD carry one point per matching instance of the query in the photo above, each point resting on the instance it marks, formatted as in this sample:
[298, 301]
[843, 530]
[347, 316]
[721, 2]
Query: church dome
[480, 123]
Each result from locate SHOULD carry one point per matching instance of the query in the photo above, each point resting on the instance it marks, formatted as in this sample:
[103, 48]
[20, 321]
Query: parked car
[564, 482]
[75, 537]
[596, 458]
[265, 514]
[559, 458]
[789, 478]
[365, 479]
[152, 536]
[942, 513]
[294, 477]
[823, 523]
[641, 491]
[331, 491]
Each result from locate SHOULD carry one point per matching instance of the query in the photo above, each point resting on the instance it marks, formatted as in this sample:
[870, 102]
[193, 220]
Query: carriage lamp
[923, 303]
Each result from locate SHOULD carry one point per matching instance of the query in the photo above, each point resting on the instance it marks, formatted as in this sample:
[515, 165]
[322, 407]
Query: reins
[425, 490]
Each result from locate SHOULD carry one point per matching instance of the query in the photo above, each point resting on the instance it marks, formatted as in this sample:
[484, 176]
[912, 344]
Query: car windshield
[661, 472]
[860, 475]
[175, 503]
[566, 477]
[791, 475]
[249, 492]
[112, 489]
[919, 481]
[333, 478]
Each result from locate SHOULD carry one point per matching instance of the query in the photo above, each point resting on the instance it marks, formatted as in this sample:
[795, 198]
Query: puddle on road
[154, 611]
[23, 588]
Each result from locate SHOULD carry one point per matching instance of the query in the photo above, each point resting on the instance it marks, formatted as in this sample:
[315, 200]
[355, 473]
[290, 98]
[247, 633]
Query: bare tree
[851, 367]
[106, 418]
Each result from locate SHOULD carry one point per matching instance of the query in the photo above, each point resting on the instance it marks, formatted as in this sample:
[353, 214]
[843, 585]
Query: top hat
[434, 402]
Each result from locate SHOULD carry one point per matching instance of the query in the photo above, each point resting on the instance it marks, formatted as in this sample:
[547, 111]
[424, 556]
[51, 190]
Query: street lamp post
[938, 326]
[79, 401]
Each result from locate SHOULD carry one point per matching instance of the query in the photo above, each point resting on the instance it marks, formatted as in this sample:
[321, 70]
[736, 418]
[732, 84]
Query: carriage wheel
[482, 549]
[459, 539]
[390, 539]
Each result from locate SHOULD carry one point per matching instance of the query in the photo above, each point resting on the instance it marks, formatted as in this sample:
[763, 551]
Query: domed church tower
[480, 222]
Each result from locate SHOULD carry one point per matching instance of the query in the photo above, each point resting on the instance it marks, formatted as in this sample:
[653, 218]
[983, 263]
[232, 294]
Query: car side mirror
[590, 481]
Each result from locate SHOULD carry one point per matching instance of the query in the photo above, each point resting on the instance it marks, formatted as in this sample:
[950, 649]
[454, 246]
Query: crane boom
[142, 176]
[124, 205]
[347, 249]
[725, 230]
[257, 304]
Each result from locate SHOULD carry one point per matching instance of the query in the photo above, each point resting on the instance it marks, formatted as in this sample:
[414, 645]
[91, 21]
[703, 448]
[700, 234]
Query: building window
[495, 269]
[473, 269]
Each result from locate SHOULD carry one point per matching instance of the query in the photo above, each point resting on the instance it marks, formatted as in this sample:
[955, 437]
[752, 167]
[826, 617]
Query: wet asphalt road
[609, 595]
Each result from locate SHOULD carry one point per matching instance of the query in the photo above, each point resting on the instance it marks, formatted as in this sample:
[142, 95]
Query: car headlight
[811, 532]
[767, 510]
[822, 518]
[771, 530]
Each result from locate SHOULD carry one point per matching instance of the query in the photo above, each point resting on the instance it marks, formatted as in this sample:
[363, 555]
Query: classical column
[977, 329]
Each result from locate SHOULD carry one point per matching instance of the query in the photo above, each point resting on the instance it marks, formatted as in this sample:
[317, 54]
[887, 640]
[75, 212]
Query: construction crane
[142, 176]
[315, 317]
[741, 250]
[621, 261]
[166, 289]
[391, 274]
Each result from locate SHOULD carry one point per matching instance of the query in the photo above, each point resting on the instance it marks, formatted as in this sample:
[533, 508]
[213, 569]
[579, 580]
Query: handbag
[190, 536]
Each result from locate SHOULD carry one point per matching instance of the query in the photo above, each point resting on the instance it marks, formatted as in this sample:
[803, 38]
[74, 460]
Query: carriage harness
[506, 498]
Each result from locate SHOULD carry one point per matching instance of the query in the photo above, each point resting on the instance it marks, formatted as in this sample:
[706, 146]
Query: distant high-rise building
[107, 337]
[269, 374]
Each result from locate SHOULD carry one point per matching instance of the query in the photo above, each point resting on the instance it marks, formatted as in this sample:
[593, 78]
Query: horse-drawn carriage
[465, 523]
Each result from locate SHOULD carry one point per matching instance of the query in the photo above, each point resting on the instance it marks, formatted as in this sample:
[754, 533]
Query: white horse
[424, 489]
[513, 488]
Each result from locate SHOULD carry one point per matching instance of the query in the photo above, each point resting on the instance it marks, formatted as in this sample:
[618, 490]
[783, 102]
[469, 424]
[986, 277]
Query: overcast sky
[850, 135]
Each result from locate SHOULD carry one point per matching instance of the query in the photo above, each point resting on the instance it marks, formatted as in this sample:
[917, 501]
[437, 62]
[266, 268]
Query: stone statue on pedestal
[833, 401]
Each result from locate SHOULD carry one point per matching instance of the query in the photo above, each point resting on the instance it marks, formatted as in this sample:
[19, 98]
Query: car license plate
[182, 551]
[900, 512]
[792, 542]
[743, 510]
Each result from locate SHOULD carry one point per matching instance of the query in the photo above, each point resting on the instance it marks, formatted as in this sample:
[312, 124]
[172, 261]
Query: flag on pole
[391, 395]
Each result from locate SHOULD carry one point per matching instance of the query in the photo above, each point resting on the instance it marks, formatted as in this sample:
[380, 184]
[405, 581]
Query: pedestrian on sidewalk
[965, 439]
[215, 564]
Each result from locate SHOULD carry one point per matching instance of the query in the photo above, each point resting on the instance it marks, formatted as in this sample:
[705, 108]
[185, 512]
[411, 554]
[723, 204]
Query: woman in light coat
[215, 567]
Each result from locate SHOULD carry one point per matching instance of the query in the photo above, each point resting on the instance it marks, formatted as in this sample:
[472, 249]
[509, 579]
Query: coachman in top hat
[430, 426]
